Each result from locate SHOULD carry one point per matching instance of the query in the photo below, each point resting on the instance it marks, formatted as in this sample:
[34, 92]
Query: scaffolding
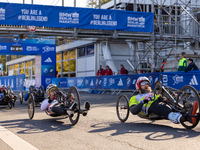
[176, 30]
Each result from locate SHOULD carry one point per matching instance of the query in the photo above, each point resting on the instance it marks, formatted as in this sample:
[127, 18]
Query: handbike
[179, 101]
[38, 94]
[65, 99]
[7, 96]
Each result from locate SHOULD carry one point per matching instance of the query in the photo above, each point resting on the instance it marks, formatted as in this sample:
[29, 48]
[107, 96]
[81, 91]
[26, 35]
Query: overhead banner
[71, 17]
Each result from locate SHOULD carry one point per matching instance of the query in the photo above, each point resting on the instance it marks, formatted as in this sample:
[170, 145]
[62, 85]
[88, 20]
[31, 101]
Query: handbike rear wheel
[74, 119]
[21, 96]
[186, 97]
[41, 91]
[122, 108]
[31, 106]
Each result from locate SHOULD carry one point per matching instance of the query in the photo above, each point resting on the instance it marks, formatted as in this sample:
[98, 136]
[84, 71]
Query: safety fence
[120, 83]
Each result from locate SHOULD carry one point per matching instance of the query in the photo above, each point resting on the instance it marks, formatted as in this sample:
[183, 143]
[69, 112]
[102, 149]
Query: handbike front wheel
[186, 97]
[122, 108]
[74, 119]
[31, 106]
[21, 96]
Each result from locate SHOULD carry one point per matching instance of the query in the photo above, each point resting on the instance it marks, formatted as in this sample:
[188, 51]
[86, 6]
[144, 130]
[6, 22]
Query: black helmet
[32, 87]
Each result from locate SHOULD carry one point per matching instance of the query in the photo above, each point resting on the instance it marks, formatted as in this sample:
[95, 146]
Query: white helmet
[50, 86]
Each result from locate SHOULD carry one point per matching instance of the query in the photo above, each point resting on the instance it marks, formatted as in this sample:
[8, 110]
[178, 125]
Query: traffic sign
[32, 28]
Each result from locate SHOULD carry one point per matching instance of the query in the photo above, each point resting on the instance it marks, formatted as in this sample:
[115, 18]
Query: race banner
[71, 17]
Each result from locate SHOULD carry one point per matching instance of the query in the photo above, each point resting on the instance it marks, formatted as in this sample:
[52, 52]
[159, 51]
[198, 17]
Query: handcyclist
[31, 90]
[144, 104]
[53, 107]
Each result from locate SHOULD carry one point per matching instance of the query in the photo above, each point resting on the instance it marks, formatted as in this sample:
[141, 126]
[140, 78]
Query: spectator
[182, 63]
[101, 71]
[123, 70]
[57, 74]
[191, 66]
[162, 66]
[108, 71]
[5, 74]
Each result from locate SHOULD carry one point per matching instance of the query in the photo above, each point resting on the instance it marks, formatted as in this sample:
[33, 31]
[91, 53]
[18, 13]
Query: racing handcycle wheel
[158, 88]
[185, 99]
[122, 108]
[31, 106]
[10, 104]
[21, 96]
[75, 117]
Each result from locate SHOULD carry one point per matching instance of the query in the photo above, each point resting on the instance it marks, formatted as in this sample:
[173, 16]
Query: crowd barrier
[127, 82]
[16, 82]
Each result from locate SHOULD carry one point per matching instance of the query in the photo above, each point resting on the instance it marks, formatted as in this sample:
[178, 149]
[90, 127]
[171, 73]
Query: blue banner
[131, 81]
[71, 17]
[15, 82]
[114, 82]
[71, 82]
[63, 82]
[172, 79]
[20, 82]
[90, 82]
[98, 82]
[80, 82]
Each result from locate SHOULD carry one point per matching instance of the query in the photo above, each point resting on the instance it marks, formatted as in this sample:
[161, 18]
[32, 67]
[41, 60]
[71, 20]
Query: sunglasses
[53, 90]
[145, 83]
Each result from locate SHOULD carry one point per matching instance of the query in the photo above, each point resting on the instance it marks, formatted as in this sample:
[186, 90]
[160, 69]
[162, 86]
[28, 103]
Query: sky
[69, 3]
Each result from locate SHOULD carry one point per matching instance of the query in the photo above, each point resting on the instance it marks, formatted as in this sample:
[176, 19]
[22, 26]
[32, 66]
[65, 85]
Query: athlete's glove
[144, 101]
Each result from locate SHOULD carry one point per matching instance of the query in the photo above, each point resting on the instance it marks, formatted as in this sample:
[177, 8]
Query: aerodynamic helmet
[50, 86]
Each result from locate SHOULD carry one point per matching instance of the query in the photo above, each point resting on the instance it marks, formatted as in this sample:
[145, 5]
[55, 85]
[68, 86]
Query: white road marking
[14, 141]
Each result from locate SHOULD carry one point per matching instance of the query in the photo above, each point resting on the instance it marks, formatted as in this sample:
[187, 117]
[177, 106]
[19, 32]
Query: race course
[99, 130]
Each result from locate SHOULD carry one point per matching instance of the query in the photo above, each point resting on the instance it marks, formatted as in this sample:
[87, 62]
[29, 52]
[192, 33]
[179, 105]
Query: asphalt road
[100, 130]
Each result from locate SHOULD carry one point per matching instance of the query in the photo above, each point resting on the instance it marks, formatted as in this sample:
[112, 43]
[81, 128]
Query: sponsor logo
[3, 47]
[48, 49]
[91, 83]
[100, 82]
[128, 81]
[177, 79]
[16, 48]
[15, 38]
[165, 78]
[86, 82]
[111, 81]
[156, 79]
[120, 82]
[104, 81]
[194, 81]
[70, 81]
[96, 83]
[48, 81]
[45, 70]
[151, 79]
[51, 70]
[48, 60]
[2, 14]
[134, 81]
[32, 48]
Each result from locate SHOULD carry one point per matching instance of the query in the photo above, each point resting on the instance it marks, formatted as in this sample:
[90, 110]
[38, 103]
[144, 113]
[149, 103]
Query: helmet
[50, 86]
[32, 87]
[139, 80]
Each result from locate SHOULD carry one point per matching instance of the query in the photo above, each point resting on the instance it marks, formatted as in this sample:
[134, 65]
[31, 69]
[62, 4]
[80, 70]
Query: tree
[95, 3]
